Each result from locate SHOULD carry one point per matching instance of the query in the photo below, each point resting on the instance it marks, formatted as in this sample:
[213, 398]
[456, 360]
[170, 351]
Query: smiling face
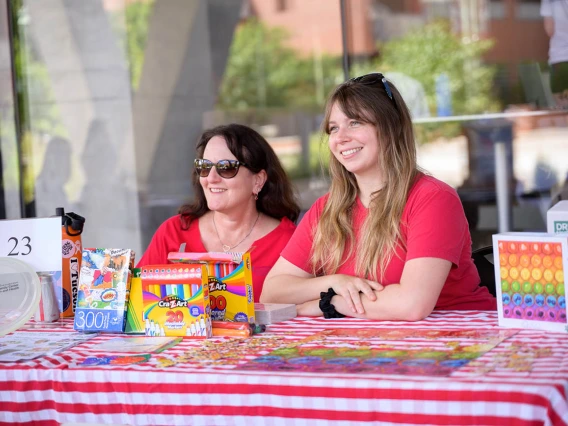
[354, 144]
[226, 195]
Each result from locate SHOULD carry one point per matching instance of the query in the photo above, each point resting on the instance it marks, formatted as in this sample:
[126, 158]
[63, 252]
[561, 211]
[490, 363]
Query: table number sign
[34, 241]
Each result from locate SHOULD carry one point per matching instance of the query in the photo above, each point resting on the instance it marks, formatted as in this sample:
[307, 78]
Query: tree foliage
[137, 15]
[430, 51]
[262, 72]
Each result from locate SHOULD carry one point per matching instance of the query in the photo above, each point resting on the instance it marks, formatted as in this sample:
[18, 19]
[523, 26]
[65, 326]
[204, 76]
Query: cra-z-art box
[176, 301]
[529, 273]
[230, 283]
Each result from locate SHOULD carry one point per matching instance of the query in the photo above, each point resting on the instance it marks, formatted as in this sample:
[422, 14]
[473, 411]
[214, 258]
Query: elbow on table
[410, 312]
[417, 315]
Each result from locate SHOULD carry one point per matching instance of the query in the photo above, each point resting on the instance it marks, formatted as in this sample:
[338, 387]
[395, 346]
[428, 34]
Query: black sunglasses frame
[373, 78]
[224, 168]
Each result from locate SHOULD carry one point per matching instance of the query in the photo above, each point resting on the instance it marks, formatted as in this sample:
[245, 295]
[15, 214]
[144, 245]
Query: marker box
[230, 283]
[134, 313]
[176, 301]
[529, 273]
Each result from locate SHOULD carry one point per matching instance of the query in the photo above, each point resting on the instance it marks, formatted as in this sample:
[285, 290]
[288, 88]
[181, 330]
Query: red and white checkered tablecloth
[521, 381]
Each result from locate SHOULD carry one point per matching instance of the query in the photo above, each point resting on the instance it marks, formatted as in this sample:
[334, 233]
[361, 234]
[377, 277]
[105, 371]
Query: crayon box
[230, 283]
[104, 283]
[176, 301]
[529, 273]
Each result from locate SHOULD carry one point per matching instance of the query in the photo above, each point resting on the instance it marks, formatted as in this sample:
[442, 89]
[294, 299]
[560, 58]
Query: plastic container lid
[20, 293]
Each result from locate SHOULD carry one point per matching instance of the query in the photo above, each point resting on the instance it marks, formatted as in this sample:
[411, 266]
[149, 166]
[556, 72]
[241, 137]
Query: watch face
[21, 292]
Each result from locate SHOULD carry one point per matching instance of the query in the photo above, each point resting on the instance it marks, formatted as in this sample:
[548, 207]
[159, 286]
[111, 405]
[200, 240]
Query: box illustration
[529, 273]
[104, 283]
[230, 283]
[176, 301]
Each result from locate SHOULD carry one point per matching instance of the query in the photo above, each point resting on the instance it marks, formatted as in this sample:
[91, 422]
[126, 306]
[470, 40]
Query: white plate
[20, 292]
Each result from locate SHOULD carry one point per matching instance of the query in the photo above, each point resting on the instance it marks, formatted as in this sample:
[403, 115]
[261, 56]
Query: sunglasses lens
[203, 167]
[227, 169]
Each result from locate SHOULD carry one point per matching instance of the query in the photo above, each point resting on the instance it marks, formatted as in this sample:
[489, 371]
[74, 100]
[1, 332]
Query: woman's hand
[350, 288]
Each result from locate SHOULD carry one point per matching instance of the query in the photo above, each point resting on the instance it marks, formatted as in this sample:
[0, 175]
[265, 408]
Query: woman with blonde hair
[388, 241]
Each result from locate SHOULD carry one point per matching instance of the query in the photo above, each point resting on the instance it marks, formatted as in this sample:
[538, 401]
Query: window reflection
[114, 94]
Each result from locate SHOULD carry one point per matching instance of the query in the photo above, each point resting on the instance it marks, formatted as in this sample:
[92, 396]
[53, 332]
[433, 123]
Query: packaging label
[176, 301]
[560, 226]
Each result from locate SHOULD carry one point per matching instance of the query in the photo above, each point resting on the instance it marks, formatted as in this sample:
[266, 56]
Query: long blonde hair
[380, 234]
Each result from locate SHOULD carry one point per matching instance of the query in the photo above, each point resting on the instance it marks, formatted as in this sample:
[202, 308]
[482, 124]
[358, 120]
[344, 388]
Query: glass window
[115, 94]
[475, 76]
[9, 158]
[112, 96]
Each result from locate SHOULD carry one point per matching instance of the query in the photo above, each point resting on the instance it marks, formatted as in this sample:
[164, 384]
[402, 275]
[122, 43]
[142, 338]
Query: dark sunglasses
[372, 79]
[227, 169]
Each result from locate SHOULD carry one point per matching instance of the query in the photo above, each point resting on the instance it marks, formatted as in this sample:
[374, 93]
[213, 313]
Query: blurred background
[102, 101]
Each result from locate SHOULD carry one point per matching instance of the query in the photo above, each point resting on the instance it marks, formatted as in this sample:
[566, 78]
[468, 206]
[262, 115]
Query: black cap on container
[59, 211]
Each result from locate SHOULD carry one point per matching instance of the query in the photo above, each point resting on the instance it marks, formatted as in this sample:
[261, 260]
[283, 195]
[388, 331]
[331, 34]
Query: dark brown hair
[277, 197]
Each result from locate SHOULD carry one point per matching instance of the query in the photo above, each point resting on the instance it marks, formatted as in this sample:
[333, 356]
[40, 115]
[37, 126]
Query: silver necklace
[227, 248]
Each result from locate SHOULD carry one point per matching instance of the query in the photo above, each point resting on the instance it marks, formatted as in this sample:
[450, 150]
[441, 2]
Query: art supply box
[557, 218]
[230, 283]
[134, 313]
[529, 273]
[104, 283]
[176, 301]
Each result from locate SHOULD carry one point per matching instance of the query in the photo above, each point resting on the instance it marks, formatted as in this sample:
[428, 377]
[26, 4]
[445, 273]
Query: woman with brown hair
[388, 241]
[243, 199]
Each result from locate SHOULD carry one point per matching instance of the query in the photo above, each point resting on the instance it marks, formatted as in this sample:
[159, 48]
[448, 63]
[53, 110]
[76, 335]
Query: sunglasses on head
[372, 79]
[227, 169]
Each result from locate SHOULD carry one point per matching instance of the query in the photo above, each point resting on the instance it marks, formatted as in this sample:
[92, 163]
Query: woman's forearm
[292, 289]
[394, 302]
[309, 309]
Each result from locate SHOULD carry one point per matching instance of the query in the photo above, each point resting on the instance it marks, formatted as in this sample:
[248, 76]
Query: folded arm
[411, 300]
[286, 283]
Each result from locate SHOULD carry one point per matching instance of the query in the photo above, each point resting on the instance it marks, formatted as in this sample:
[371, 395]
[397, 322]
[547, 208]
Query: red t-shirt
[266, 251]
[433, 224]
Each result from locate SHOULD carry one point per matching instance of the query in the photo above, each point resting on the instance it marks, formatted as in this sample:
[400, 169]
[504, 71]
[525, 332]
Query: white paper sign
[34, 241]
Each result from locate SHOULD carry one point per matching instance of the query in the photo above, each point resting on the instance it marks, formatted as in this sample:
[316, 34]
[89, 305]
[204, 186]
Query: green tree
[426, 53]
[38, 114]
[137, 18]
[263, 73]
[131, 29]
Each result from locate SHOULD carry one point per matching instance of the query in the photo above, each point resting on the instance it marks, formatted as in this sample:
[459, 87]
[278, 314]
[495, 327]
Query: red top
[433, 225]
[170, 235]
